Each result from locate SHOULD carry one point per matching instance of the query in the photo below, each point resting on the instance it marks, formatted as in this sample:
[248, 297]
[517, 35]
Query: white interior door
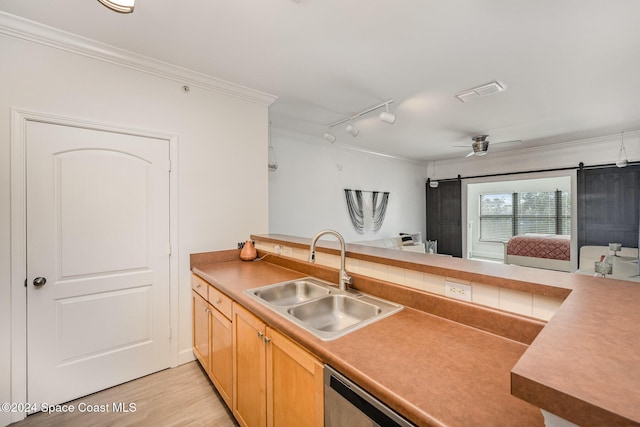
[98, 232]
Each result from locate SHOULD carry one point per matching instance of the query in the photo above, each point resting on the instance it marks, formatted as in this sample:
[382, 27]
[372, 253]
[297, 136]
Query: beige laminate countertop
[431, 370]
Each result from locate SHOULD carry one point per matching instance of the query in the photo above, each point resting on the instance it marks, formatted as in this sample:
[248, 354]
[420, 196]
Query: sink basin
[322, 308]
[290, 293]
[334, 312]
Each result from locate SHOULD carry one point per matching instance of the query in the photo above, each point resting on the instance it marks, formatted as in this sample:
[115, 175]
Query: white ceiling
[571, 67]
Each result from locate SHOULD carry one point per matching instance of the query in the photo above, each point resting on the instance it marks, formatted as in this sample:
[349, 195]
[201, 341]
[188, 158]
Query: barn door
[444, 216]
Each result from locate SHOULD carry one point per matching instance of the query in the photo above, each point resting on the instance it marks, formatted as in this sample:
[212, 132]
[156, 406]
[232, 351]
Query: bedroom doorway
[500, 208]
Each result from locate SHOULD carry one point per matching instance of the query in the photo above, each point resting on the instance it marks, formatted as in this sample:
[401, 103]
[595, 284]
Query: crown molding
[21, 28]
[571, 144]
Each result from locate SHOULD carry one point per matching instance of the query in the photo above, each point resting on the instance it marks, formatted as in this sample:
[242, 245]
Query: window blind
[504, 215]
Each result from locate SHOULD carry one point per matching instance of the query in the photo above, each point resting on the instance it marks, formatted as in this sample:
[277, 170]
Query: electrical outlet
[457, 291]
[278, 249]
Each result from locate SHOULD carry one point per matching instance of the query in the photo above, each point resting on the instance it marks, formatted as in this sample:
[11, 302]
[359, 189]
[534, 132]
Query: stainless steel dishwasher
[347, 405]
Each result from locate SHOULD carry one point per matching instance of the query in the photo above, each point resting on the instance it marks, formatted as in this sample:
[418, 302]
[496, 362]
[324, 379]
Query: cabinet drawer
[220, 301]
[200, 286]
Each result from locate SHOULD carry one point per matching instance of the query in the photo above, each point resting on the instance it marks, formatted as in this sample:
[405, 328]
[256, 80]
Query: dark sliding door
[444, 216]
[608, 206]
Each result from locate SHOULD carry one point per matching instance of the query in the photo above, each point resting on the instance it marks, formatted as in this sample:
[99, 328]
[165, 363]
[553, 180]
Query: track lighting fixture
[385, 116]
[122, 6]
[330, 137]
[354, 131]
[388, 117]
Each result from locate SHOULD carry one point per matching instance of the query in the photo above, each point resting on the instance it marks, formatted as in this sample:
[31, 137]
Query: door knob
[39, 281]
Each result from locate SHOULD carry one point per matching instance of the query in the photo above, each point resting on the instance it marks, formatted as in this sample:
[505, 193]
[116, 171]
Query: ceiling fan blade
[514, 141]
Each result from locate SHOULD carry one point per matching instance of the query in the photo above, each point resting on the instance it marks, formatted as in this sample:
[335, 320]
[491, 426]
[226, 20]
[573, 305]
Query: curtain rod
[367, 191]
[581, 165]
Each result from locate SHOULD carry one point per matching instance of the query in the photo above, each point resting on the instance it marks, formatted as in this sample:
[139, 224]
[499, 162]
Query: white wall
[222, 149]
[306, 193]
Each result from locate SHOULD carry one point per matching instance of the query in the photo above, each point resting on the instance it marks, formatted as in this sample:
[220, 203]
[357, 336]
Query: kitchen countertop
[432, 370]
[585, 364]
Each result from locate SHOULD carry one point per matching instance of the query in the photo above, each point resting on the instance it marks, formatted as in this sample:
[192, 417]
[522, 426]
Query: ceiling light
[272, 162]
[330, 137]
[354, 131]
[622, 155]
[388, 117]
[122, 6]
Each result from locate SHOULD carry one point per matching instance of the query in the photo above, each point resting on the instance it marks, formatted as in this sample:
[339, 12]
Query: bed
[548, 251]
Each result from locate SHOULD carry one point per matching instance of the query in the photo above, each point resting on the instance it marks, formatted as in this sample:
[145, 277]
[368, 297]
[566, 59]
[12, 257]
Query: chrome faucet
[345, 279]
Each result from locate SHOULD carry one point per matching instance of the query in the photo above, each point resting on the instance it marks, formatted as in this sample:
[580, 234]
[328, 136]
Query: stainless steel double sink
[322, 308]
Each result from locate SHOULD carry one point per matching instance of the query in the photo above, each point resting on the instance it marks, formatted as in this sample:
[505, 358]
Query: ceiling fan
[480, 145]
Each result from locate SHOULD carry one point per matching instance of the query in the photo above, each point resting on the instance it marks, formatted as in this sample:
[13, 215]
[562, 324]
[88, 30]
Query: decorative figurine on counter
[248, 252]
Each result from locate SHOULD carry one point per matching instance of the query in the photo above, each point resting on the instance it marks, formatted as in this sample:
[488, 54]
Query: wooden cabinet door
[295, 388]
[249, 376]
[221, 372]
[201, 330]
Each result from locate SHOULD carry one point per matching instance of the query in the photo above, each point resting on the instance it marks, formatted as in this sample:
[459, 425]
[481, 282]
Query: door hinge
[169, 165]
[25, 282]
[170, 249]
[170, 333]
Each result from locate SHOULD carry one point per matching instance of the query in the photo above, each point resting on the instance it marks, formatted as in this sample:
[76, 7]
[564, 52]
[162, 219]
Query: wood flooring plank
[181, 396]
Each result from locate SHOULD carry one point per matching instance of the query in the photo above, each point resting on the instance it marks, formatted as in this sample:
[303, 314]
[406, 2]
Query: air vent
[480, 91]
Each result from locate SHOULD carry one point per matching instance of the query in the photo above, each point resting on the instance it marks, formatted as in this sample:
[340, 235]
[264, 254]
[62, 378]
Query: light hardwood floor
[181, 396]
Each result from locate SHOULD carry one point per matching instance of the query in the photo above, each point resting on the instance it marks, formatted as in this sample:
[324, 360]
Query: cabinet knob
[218, 301]
[267, 340]
[198, 285]
[260, 334]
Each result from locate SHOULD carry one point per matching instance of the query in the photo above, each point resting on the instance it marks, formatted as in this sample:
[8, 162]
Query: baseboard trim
[185, 356]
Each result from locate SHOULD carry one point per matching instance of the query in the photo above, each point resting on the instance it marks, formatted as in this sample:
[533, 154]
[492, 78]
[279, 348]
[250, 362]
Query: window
[496, 216]
[504, 215]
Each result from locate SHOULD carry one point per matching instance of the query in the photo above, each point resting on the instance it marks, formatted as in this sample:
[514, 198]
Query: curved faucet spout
[345, 279]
